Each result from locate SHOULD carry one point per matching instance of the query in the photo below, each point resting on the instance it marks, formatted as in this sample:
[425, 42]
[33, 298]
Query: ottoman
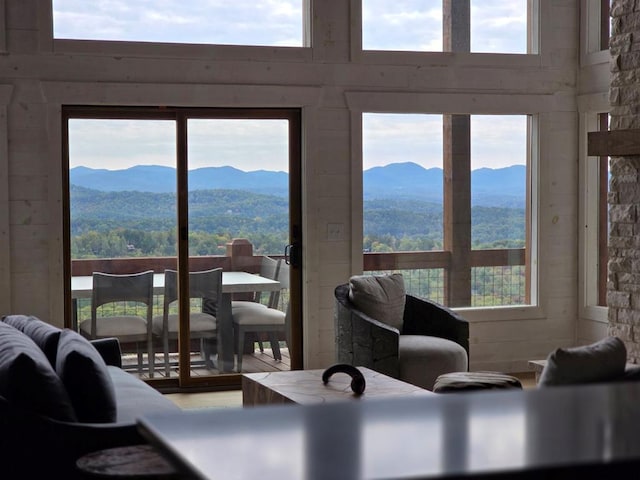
[465, 381]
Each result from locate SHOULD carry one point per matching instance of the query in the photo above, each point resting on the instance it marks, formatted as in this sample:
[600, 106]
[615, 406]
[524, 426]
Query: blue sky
[496, 26]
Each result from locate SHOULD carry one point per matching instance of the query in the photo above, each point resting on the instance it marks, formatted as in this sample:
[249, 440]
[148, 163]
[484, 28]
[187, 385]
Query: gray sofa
[62, 396]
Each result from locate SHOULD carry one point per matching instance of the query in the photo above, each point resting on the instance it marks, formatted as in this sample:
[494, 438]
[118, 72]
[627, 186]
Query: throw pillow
[604, 360]
[27, 379]
[43, 334]
[381, 297]
[86, 378]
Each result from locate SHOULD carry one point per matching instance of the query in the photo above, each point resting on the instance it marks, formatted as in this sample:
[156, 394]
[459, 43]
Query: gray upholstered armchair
[428, 340]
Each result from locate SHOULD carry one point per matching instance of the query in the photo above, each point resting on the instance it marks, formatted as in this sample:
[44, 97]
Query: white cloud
[496, 140]
[392, 138]
[117, 144]
[402, 25]
[497, 26]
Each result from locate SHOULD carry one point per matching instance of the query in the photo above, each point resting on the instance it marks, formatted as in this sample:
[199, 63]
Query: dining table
[232, 282]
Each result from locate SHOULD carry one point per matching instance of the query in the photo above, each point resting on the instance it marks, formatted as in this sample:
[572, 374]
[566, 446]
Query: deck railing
[497, 277]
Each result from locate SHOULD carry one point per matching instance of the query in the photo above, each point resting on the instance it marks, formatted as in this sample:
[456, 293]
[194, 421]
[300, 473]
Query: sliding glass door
[194, 195]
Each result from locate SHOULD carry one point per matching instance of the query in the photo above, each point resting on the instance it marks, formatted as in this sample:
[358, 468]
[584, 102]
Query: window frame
[220, 52]
[360, 103]
[594, 31]
[181, 115]
[304, 23]
[592, 273]
[358, 50]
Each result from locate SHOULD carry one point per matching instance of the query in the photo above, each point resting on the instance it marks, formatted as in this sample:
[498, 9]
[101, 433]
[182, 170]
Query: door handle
[292, 254]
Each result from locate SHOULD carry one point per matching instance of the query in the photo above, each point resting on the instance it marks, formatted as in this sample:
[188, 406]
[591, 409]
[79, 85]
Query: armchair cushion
[423, 358]
[86, 378]
[27, 379]
[379, 296]
[601, 361]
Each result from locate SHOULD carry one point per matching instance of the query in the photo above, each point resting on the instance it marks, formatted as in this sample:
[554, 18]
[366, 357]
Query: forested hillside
[116, 224]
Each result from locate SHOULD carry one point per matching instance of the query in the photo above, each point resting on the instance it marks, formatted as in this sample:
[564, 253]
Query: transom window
[494, 26]
[237, 22]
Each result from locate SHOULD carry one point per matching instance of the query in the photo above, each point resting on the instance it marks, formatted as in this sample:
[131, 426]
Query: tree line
[130, 224]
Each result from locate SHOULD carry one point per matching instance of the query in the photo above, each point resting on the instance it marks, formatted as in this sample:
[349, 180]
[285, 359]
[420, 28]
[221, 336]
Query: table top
[589, 429]
[232, 282]
[306, 387]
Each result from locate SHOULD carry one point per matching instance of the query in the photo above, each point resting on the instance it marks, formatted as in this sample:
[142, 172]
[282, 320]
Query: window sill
[595, 58]
[501, 314]
[447, 59]
[181, 50]
[595, 314]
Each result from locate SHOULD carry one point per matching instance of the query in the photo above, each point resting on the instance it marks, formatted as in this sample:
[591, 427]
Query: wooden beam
[613, 143]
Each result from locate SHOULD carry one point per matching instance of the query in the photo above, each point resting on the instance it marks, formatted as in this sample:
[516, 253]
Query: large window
[596, 24]
[596, 174]
[604, 173]
[446, 202]
[237, 22]
[594, 220]
[491, 26]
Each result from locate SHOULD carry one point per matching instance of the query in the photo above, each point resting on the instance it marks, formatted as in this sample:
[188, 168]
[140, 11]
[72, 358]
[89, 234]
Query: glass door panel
[181, 192]
[238, 213]
[122, 216]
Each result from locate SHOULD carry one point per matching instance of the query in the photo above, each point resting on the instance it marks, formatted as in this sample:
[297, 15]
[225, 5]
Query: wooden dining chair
[122, 321]
[204, 287]
[271, 320]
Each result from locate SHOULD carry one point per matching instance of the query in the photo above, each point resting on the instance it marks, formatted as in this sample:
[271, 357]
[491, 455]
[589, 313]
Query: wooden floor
[233, 398]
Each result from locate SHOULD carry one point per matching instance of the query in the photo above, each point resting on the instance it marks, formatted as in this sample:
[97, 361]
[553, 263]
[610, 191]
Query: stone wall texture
[623, 290]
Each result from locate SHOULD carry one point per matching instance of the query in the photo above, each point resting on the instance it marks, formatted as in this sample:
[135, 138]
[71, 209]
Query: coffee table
[305, 387]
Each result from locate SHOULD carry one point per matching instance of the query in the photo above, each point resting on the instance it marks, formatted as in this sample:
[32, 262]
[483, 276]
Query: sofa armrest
[423, 317]
[33, 446]
[109, 350]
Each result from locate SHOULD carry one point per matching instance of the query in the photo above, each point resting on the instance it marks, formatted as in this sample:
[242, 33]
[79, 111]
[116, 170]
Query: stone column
[623, 286]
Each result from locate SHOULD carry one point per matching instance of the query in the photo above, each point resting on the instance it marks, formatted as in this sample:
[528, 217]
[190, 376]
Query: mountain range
[502, 187]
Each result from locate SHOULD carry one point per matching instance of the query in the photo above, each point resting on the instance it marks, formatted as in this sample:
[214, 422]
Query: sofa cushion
[85, 376]
[42, 333]
[381, 297]
[28, 380]
[604, 360]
